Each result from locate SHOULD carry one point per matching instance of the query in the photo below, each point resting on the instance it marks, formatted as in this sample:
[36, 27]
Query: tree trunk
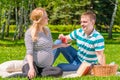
[0, 14]
[112, 20]
[16, 19]
[3, 25]
[3, 30]
[20, 26]
[8, 22]
[26, 21]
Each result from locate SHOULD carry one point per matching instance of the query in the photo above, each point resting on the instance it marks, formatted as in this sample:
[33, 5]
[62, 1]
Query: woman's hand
[64, 45]
[31, 73]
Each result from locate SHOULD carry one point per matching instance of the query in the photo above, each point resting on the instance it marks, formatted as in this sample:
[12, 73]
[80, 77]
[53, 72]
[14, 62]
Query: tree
[112, 20]
[103, 10]
[59, 12]
[117, 17]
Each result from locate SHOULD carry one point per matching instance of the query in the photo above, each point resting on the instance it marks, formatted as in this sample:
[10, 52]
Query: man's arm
[62, 44]
[101, 57]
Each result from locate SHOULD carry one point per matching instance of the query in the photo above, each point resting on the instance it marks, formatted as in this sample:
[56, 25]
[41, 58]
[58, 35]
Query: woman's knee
[57, 42]
[52, 71]
[25, 68]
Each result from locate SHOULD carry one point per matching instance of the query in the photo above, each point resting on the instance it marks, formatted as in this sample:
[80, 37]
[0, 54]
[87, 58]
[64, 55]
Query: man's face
[86, 23]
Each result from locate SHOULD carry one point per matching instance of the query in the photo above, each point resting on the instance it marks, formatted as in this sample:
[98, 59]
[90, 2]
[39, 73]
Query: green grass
[15, 50]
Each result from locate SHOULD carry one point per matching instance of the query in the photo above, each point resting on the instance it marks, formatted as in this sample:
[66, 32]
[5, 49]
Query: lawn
[15, 50]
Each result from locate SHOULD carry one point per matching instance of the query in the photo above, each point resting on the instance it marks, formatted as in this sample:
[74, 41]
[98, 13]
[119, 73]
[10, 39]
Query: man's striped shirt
[87, 45]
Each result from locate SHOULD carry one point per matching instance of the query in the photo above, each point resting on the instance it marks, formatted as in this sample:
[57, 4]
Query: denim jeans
[70, 55]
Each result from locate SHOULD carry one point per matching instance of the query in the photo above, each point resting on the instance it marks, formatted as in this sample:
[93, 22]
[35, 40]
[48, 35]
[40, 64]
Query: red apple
[64, 40]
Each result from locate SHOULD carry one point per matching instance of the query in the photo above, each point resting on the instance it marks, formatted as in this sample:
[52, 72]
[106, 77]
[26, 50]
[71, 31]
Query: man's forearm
[101, 59]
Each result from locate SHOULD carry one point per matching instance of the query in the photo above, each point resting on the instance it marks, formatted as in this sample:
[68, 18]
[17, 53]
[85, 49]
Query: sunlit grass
[15, 50]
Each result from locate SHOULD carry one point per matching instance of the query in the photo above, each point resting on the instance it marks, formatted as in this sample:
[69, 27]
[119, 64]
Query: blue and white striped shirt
[87, 45]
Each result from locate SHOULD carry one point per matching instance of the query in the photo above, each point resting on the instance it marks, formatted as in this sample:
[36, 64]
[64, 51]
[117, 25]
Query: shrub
[63, 28]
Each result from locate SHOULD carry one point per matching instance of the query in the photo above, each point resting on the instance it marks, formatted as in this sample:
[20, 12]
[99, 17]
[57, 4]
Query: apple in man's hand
[64, 40]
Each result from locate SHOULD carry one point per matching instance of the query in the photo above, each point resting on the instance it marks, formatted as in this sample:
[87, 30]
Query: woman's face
[45, 18]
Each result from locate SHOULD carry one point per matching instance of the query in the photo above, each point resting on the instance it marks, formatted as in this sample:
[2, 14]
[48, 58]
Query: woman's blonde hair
[38, 16]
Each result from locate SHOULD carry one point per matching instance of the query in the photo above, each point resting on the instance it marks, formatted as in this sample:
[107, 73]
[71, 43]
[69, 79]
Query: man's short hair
[91, 14]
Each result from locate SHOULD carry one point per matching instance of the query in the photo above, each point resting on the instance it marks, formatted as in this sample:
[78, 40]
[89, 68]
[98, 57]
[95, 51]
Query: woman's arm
[30, 61]
[29, 53]
[31, 72]
[60, 45]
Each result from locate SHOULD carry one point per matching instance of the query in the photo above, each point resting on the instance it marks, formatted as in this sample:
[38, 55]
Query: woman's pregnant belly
[43, 58]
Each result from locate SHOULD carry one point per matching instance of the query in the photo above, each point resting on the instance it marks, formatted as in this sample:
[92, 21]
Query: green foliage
[104, 11]
[60, 12]
[65, 11]
[105, 28]
[117, 18]
[63, 28]
[69, 28]
[116, 28]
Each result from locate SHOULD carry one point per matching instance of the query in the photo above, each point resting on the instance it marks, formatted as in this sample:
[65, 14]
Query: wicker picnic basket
[104, 70]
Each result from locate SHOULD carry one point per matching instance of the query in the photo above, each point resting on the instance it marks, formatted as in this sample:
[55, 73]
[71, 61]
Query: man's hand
[60, 36]
[63, 38]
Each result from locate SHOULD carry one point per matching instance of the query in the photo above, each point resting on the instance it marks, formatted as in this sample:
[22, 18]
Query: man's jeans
[70, 55]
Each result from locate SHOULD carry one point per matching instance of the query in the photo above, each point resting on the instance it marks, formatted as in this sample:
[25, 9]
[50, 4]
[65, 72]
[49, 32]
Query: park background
[64, 17]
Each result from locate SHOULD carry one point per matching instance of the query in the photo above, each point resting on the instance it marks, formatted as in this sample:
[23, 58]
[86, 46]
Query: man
[90, 45]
